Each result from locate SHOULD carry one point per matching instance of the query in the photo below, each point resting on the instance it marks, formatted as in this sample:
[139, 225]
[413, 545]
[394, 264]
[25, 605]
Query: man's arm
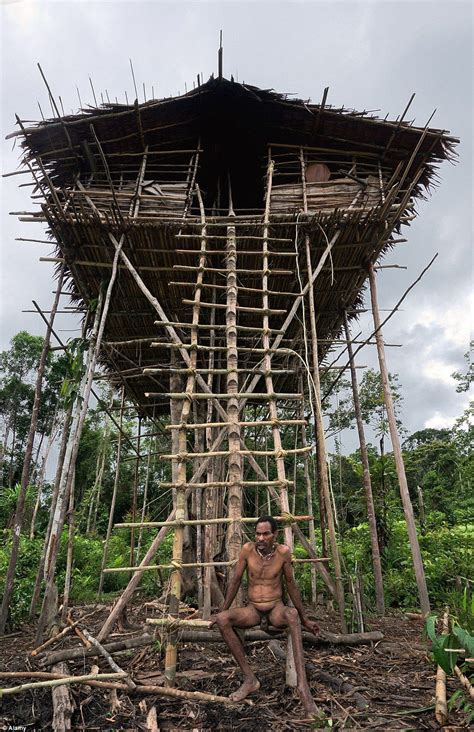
[295, 595]
[234, 583]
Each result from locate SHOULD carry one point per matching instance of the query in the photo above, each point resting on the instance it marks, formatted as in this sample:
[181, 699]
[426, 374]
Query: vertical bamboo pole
[145, 497]
[69, 554]
[110, 522]
[374, 541]
[62, 452]
[397, 453]
[180, 505]
[320, 440]
[291, 679]
[210, 531]
[20, 506]
[309, 502]
[197, 496]
[136, 478]
[234, 496]
[72, 449]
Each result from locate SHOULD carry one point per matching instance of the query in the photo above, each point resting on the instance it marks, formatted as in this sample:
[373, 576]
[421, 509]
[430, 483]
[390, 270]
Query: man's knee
[291, 616]
[222, 619]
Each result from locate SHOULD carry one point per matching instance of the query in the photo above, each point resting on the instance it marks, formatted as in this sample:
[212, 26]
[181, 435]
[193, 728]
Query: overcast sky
[372, 55]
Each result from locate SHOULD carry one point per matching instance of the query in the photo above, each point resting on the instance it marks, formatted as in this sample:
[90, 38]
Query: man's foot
[307, 701]
[248, 687]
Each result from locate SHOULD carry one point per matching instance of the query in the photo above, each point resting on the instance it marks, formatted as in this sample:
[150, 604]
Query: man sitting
[266, 563]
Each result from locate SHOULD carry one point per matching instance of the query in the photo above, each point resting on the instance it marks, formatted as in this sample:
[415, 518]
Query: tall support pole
[67, 475]
[40, 571]
[180, 505]
[320, 440]
[397, 453]
[69, 555]
[145, 495]
[210, 494]
[136, 479]
[110, 522]
[234, 501]
[374, 541]
[291, 679]
[309, 502]
[25, 475]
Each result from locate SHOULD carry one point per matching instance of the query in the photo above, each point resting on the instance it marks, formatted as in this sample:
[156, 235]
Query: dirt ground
[394, 676]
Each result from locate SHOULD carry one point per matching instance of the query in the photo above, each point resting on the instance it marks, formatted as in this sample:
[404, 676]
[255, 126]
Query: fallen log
[63, 705]
[103, 652]
[339, 685]
[69, 653]
[95, 680]
[350, 639]
[78, 631]
[88, 679]
[71, 625]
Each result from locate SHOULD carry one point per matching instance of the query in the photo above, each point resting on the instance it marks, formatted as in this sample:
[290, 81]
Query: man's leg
[226, 621]
[281, 617]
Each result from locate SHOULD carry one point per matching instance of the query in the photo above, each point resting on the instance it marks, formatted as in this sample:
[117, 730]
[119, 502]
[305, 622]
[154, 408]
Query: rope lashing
[179, 522]
[267, 272]
[176, 564]
[287, 518]
[275, 422]
[182, 456]
[280, 454]
[193, 346]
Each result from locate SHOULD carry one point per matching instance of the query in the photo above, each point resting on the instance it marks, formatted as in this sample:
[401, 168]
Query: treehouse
[226, 236]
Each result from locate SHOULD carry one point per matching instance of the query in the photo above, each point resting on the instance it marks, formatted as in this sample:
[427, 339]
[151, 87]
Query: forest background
[439, 467]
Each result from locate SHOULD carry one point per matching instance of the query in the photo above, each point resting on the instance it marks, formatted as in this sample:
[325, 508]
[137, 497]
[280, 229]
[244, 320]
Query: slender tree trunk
[374, 540]
[69, 556]
[11, 466]
[114, 497]
[20, 506]
[51, 438]
[71, 453]
[3, 451]
[397, 453]
[54, 498]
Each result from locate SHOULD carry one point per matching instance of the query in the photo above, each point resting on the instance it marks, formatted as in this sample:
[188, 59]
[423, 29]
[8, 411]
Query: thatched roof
[233, 126]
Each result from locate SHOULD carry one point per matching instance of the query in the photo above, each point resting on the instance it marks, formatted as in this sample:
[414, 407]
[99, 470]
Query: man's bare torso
[265, 575]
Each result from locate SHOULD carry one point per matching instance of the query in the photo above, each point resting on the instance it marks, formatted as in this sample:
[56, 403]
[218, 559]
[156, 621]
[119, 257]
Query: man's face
[264, 537]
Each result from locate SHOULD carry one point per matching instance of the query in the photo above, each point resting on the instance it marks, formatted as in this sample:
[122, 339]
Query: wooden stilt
[320, 439]
[114, 497]
[175, 584]
[291, 679]
[374, 542]
[397, 453]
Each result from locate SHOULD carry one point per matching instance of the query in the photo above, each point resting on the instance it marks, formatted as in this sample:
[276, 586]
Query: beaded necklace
[266, 557]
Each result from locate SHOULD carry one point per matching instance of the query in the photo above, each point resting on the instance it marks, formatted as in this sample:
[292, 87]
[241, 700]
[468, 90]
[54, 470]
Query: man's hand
[213, 619]
[311, 626]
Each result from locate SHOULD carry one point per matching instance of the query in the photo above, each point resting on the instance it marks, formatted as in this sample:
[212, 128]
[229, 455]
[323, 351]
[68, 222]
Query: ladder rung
[181, 456]
[199, 396]
[262, 423]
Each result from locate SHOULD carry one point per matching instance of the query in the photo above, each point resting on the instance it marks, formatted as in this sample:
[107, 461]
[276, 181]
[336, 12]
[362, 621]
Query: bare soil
[396, 677]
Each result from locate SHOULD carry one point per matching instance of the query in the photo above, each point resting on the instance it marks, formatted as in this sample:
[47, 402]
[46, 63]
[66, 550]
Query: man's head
[266, 531]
